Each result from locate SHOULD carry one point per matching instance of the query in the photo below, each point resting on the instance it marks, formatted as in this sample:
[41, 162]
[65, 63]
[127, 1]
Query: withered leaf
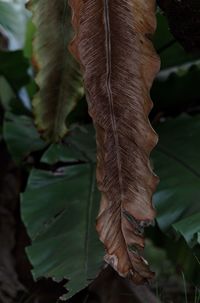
[119, 64]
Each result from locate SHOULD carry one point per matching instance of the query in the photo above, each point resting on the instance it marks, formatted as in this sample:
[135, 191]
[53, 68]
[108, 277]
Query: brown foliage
[119, 64]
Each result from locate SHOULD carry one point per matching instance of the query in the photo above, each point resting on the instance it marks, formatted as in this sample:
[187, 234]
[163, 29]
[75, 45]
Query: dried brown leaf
[119, 64]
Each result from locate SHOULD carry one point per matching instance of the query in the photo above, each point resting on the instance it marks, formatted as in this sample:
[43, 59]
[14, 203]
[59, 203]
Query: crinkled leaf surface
[59, 209]
[177, 161]
[118, 72]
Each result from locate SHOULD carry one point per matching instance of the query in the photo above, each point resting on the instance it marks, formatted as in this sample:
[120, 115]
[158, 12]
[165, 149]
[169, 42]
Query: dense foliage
[59, 195]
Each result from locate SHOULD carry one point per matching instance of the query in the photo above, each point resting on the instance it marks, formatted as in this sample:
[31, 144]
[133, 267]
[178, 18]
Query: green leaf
[21, 136]
[58, 78]
[189, 228]
[79, 146]
[59, 153]
[177, 162]
[59, 210]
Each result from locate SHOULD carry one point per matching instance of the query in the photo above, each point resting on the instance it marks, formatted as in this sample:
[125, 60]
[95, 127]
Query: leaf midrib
[109, 92]
[112, 115]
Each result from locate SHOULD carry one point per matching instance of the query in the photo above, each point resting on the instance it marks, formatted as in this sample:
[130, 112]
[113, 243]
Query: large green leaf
[59, 209]
[177, 162]
[58, 78]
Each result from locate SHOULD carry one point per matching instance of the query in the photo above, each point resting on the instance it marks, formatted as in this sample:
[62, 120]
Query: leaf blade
[58, 78]
[64, 240]
[111, 75]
